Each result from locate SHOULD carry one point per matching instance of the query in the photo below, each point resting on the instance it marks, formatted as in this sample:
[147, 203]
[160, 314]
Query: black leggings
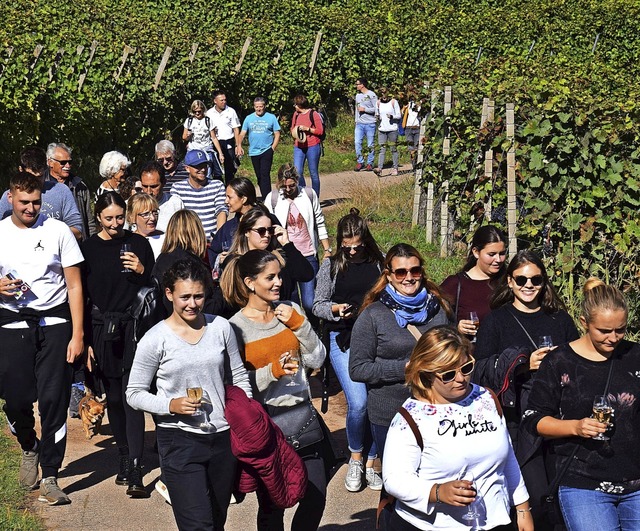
[126, 423]
[310, 509]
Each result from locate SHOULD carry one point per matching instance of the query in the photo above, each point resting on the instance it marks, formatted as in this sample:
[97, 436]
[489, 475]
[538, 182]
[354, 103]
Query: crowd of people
[479, 396]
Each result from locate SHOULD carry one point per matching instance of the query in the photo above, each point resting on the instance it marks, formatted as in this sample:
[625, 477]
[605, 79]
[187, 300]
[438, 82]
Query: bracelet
[438, 493]
[523, 511]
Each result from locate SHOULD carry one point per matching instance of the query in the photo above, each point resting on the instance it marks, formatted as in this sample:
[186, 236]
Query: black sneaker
[136, 487]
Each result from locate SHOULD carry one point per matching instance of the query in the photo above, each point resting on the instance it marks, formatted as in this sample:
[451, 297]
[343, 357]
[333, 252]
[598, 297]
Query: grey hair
[260, 99]
[165, 146]
[112, 162]
[57, 145]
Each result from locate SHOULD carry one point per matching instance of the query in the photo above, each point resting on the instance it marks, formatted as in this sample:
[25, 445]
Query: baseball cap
[195, 157]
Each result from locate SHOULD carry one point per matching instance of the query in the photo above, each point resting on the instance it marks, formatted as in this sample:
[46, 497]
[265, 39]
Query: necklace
[258, 310]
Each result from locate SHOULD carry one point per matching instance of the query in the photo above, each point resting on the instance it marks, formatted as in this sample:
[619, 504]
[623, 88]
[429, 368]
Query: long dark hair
[484, 236]
[353, 226]
[243, 187]
[404, 250]
[106, 200]
[549, 300]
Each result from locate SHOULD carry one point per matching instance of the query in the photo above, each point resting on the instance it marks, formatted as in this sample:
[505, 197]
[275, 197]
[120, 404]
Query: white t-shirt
[201, 133]
[224, 121]
[386, 109]
[37, 255]
[156, 242]
[169, 205]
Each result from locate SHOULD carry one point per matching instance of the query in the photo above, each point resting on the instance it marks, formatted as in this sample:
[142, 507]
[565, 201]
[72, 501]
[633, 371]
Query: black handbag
[300, 423]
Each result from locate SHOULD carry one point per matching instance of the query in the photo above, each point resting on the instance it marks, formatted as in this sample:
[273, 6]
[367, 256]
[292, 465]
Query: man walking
[264, 134]
[152, 180]
[60, 170]
[366, 104]
[41, 331]
[225, 120]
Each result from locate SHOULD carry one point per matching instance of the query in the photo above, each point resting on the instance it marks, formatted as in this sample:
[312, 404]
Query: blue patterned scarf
[416, 310]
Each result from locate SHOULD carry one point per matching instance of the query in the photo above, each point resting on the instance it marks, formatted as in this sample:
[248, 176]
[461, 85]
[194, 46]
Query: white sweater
[470, 435]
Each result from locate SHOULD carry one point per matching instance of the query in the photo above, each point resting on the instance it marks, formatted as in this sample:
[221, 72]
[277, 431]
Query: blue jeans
[356, 395]
[307, 289]
[585, 509]
[379, 433]
[312, 156]
[362, 130]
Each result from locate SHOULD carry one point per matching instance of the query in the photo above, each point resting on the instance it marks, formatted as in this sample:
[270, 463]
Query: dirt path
[90, 466]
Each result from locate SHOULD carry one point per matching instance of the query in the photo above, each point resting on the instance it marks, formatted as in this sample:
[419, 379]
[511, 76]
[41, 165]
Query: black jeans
[199, 471]
[229, 151]
[310, 509]
[262, 167]
[36, 369]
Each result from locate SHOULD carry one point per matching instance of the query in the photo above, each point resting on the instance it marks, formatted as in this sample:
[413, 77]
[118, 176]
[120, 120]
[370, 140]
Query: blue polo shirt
[260, 130]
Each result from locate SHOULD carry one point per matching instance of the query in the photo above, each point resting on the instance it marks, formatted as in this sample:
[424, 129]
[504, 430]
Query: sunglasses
[401, 272]
[147, 215]
[162, 160]
[262, 231]
[350, 248]
[465, 370]
[536, 280]
[63, 162]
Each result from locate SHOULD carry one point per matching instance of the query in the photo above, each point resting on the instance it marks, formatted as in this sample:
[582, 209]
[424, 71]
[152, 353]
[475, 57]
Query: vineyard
[119, 74]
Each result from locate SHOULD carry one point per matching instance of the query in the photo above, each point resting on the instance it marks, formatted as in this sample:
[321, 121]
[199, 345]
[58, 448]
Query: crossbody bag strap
[414, 331]
[535, 346]
[556, 482]
[458, 295]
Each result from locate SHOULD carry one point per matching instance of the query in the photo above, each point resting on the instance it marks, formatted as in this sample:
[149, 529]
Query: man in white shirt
[225, 120]
[41, 331]
[152, 178]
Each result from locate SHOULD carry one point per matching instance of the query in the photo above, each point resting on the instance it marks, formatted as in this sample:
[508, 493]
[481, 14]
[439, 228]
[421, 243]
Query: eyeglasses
[465, 370]
[162, 160]
[63, 162]
[289, 186]
[350, 248]
[401, 272]
[262, 231]
[147, 215]
[536, 280]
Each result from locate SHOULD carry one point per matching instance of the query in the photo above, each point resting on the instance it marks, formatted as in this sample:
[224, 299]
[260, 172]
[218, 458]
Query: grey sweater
[214, 360]
[380, 350]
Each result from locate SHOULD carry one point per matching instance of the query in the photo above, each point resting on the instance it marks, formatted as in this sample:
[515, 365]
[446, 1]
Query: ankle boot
[122, 478]
[136, 487]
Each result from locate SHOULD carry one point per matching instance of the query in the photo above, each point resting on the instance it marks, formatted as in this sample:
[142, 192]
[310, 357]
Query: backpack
[207, 121]
[275, 194]
[147, 309]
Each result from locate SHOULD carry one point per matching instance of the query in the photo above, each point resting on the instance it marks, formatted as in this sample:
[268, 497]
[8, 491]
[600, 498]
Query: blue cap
[195, 157]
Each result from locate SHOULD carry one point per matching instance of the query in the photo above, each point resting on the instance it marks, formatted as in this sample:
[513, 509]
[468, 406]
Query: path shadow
[363, 521]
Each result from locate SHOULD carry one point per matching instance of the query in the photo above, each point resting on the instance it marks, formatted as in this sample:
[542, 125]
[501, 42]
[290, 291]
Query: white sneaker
[353, 480]
[164, 492]
[374, 479]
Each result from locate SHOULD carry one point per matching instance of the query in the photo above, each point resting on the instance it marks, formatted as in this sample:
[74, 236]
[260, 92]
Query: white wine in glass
[602, 412]
[194, 392]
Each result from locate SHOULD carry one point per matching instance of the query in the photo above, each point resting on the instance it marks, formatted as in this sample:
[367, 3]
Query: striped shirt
[206, 202]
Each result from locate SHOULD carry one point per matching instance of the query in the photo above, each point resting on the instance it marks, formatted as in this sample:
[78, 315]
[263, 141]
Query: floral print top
[564, 388]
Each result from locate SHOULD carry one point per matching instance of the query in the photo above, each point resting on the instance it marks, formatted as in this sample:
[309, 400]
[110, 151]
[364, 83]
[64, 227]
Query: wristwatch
[328, 250]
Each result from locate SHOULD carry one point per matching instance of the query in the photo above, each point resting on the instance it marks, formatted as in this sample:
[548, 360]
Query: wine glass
[472, 510]
[293, 358]
[545, 342]
[126, 248]
[194, 392]
[473, 316]
[602, 412]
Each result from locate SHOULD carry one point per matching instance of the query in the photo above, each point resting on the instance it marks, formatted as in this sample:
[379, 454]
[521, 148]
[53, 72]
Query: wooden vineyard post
[511, 181]
[125, 54]
[444, 206]
[9, 52]
[245, 49]
[83, 76]
[418, 187]
[192, 53]
[488, 116]
[314, 55]
[36, 55]
[163, 65]
[56, 64]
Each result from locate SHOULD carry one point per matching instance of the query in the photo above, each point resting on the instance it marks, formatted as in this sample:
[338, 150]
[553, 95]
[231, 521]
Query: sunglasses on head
[536, 280]
[263, 231]
[465, 370]
[401, 272]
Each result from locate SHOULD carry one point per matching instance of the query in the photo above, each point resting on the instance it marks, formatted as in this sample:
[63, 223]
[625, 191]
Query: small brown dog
[91, 413]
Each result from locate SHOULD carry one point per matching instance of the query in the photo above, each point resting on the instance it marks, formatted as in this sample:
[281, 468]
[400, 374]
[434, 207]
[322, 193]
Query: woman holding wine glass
[571, 401]
[270, 332]
[193, 435]
[117, 264]
[462, 472]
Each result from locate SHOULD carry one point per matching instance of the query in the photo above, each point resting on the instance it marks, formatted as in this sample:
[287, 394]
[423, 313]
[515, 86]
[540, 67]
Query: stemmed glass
[602, 412]
[293, 357]
[473, 316]
[195, 392]
[472, 511]
[545, 342]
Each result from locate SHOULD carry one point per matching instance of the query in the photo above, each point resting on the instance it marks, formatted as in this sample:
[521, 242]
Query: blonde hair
[185, 231]
[139, 203]
[197, 104]
[599, 296]
[440, 349]
[287, 171]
